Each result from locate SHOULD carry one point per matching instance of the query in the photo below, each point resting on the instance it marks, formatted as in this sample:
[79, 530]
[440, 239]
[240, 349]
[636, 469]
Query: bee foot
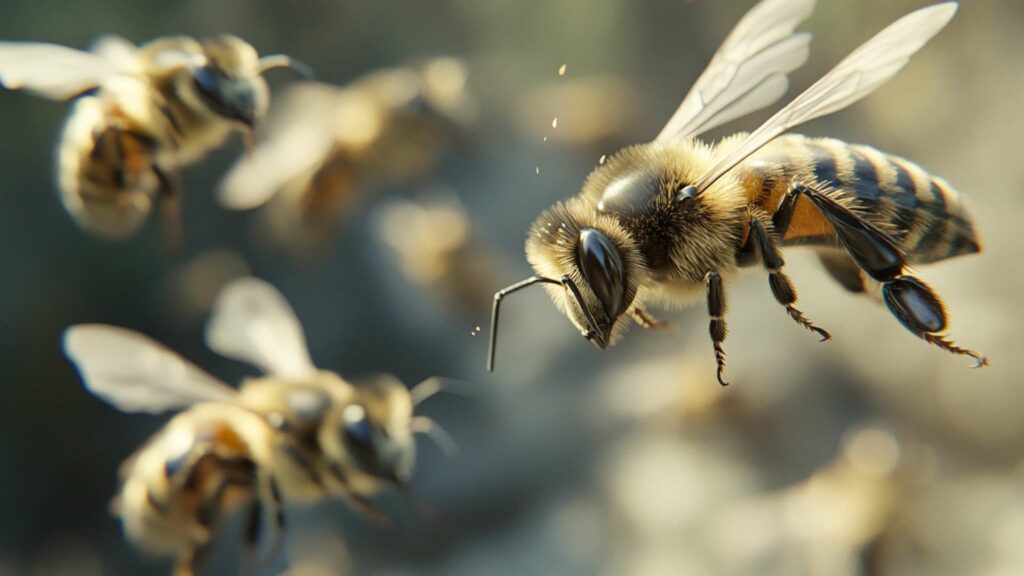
[980, 359]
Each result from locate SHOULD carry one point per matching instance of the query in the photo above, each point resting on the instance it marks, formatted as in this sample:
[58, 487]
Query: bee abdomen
[922, 212]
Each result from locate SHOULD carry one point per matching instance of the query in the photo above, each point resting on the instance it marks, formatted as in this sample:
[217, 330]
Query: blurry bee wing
[134, 373]
[289, 153]
[54, 71]
[859, 74]
[251, 321]
[119, 52]
[749, 70]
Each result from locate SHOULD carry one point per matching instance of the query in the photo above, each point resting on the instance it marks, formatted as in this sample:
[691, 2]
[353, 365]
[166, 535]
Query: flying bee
[439, 250]
[140, 114]
[297, 434]
[326, 145]
[673, 220]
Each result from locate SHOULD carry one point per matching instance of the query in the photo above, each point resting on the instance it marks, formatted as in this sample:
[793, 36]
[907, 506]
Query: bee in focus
[140, 114]
[327, 145]
[673, 220]
[298, 434]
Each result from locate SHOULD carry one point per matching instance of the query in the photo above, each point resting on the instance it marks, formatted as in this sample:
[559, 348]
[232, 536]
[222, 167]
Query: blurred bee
[326, 145]
[438, 249]
[141, 114]
[674, 219]
[297, 434]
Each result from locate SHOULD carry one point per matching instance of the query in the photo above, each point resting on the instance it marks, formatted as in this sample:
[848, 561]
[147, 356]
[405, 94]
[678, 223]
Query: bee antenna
[564, 281]
[498, 296]
[435, 432]
[435, 385]
[284, 61]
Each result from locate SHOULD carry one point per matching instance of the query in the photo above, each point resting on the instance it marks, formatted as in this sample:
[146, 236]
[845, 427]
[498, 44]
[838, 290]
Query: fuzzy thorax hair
[682, 242]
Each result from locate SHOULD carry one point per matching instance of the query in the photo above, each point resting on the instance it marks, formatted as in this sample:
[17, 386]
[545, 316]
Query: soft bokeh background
[871, 454]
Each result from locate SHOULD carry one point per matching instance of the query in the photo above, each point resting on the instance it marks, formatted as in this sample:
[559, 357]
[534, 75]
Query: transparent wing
[53, 71]
[858, 75]
[749, 70]
[134, 373]
[121, 53]
[287, 154]
[251, 321]
[299, 136]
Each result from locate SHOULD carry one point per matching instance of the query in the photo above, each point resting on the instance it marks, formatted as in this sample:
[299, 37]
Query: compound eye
[358, 432]
[228, 97]
[208, 81]
[601, 264]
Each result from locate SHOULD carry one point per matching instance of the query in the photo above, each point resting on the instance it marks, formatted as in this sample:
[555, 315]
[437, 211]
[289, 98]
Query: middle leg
[780, 284]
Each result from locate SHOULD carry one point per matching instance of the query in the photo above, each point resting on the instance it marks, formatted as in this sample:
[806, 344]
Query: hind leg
[913, 302]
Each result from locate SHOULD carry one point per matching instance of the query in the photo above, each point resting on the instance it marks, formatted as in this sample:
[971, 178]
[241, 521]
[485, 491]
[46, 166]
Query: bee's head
[376, 437]
[591, 267]
[432, 93]
[228, 80]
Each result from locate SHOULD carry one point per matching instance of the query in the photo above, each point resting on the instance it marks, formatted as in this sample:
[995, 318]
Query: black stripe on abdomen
[865, 175]
[824, 165]
[905, 195]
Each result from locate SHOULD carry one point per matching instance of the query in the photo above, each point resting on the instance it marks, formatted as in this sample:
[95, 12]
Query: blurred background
[871, 454]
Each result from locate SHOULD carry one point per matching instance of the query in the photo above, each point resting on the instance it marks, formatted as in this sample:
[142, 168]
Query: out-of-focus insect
[439, 250]
[326, 145]
[141, 114]
[298, 434]
[674, 219]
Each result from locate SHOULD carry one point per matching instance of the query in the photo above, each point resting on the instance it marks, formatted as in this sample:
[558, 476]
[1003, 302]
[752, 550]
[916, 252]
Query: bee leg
[366, 508]
[170, 208]
[277, 510]
[645, 320]
[781, 285]
[843, 269]
[787, 207]
[717, 327]
[913, 302]
[188, 562]
[253, 530]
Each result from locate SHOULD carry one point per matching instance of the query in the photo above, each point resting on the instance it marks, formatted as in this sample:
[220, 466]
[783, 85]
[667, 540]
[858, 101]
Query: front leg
[913, 302]
[170, 207]
[717, 327]
[645, 320]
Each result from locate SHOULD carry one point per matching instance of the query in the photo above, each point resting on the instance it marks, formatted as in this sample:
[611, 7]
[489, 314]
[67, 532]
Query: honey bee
[325, 145]
[140, 114]
[439, 251]
[673, 220]
[297, 434]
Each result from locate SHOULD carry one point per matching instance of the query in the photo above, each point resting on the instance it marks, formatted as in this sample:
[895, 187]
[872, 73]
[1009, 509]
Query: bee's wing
[749, 70]
[299, 137]
[54, 71]
[288, 153]
[134, 373]
[251, 321]
[121, 53]
[858, 75]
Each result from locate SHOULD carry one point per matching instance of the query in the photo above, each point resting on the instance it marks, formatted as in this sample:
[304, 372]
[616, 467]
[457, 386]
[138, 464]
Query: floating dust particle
[537, 170]
[561, 70]
[554, 123]
[545, 139]
[602, 159]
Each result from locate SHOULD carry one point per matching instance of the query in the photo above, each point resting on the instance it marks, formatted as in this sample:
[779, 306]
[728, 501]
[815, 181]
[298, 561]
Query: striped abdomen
[923, 213]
